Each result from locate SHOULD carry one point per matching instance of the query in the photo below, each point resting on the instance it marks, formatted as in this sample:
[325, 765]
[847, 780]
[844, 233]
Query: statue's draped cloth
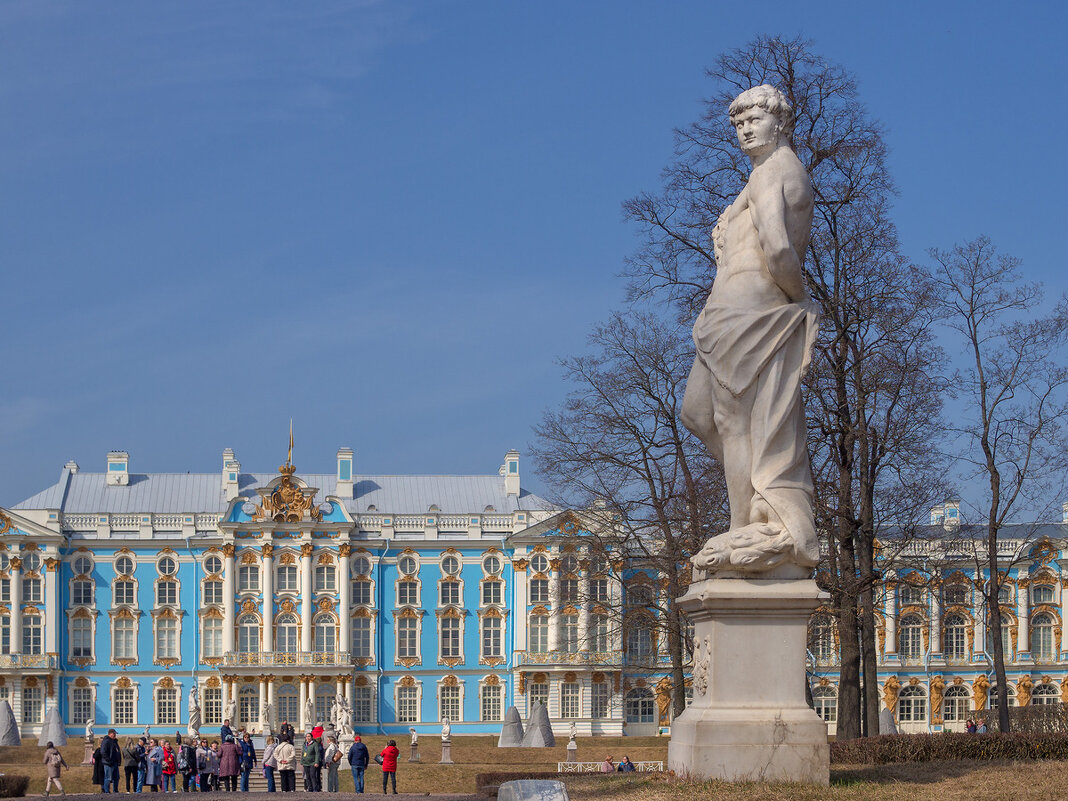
[765, 354]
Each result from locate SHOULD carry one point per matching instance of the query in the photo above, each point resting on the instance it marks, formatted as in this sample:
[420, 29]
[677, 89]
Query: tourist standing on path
[98, 769]
[285, 732]
[54, 762]
[332, 760]
[389, 765]
[607, 766]
[229, 764]
[248, 759]
[170, 768]
[213, 766]
[203, 762]
[130, 762]
[225, 730]
[358, 759]
[154, 765]
[187, 765]
[286, 755]
[625, 766]
[111, 756]
[311, 759]
[142, 762]
[269, 763]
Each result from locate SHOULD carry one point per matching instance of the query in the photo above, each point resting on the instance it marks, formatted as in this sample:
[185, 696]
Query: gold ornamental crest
[286, 503]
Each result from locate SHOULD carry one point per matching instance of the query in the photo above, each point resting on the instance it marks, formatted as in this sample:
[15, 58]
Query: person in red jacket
[389, 765]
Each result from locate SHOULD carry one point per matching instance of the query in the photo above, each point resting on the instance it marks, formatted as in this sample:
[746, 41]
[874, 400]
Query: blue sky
[387, 219]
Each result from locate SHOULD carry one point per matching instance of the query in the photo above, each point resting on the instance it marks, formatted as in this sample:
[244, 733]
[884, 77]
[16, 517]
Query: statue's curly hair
[768, 98]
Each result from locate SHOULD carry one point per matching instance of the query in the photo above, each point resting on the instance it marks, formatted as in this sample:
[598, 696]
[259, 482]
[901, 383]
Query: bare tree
[1014, 394]
[873, 405]
[618, 451]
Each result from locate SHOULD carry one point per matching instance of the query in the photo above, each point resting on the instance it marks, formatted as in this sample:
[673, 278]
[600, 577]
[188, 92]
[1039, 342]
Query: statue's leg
[697, 408]
[731, 421]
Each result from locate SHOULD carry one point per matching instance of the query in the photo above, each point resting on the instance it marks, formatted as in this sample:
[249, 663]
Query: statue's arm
[768, 208]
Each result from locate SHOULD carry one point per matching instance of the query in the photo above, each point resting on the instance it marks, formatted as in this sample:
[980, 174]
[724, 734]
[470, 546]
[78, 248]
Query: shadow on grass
[909, 773]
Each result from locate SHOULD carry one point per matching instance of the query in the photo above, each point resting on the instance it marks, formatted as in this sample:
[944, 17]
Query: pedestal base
[446, 753]
[415, 754]
[87, 759]
[572, 751]
[749, 720]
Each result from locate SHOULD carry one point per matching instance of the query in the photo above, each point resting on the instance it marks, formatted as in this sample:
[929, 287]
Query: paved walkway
[297, 796]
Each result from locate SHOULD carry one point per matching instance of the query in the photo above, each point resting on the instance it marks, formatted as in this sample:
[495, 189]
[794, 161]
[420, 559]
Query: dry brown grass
[933, 781]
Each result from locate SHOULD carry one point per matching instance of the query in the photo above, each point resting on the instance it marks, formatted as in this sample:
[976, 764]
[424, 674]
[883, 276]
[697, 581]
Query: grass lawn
[935, 781]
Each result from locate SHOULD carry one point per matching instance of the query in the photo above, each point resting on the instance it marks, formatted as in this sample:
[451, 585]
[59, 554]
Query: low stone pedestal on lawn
[415, 754]
[749, 720]
[446, 753]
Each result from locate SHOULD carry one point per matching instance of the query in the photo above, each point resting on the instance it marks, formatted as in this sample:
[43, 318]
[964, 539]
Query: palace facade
[416, 597]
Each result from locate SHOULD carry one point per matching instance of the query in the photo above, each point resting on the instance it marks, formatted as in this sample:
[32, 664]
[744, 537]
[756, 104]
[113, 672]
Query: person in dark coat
[130, 761]
[248, 759]
[98, 769]
[358, 759]
[111, 754]
[286, 732]
[225, 731]
[229, 764]
[311, 759]
[189, 772]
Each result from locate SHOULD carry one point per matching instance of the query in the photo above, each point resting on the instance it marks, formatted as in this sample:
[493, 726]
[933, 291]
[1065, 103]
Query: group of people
[624, 766]
[226, 763]
[975, 726]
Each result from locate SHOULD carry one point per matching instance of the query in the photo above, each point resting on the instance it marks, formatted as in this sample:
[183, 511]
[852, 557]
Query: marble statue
[309, 714]
[446, 730]
[266, 713]
[147, 733]
[231, 711]
[572, 732]
[754, 341]
[342, 716]
[89, 730]
[193, 729]
[415, 735]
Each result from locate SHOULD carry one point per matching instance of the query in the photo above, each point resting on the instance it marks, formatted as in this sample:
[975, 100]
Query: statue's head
[762, 118]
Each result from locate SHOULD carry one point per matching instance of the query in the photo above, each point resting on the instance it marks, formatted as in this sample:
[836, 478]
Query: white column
[228, 599]
[306, 596]
[311, 694]
[227, 694]
[519, 616]
[267, 643]
[1064, 617]
[344, 580]
[266, 696]
[350, 690]
[554, 603]
[891, 620]
[16, 605]
[340, 686]
[302, 724]
[51, 622]
[936, 623]
[1023, 622]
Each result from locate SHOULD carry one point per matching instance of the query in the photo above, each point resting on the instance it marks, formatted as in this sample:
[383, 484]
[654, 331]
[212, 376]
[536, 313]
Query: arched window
[1005, 594]
[910, 637]
[1046, 695]
[956, 704]
[912, 705]
[640, 642]
[1042, 637]
[248, 634]
[1042, 594]
[1006, 637]
[821, 638]
[993, 698]
[248, 705]
[825, 702]
[639, 706]
[954, 637]
[325, 633]
[539, 634]
[288, 701]
[287, 634]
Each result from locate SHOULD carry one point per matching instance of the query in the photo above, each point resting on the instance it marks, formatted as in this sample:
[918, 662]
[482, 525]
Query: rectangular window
[361, 593]
[599, 633]
[640, 644]
[361, 706]
[81, 638]
[287, 578]
[407, 704]
[31, 635]
[569, 590]
[81, 705]
[408, 638]
[361, 638]
[166, 593]
[491, 638]
[32, 704]
[539, 691]
[491, 708]
[539, 591]
[213, 706]
[213, 593]
[123, 593]
[449, 706]
[166, 639]
[213, 637]
[123, 713]
[599, 699]
[166, 706]
[450, 593]
[570, 699]
[325, 578]
[31, 590]
[82, 593]
[539, 634]
[248, 578]
[5, 590]
[571, 634]
[408, 593]
[599, 589]
[5, 635]
[124, 641]
[450, 638]
[492, 593]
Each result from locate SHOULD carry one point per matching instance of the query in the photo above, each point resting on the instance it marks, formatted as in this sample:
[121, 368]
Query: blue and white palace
[416, 597]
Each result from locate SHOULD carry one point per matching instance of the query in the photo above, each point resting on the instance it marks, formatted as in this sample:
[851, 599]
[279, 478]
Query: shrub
[13, 786]
[1030, 719]
[891, 748]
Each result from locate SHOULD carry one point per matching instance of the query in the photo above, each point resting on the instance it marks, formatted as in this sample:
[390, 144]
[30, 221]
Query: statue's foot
[754, 548]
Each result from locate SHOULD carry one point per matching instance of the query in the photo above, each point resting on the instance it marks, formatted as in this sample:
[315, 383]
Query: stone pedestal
[87, 759]
[572, 751]
[749, 720]
[415, 754]
[446, 752]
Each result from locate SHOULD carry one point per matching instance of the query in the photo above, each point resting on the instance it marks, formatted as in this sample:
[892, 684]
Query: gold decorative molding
[213, 682]
[16, 563]
[450, 681]
[520, 564]
[891, 690]
[123, 683]
[267, 550]
[287, 503]
[597, 677]
[345, 549]
[170, 661]
[306, 549]
[30, 681]
[81, 681]
[451, 661]
[214, 661]
[326, 605]
[166, 682]
[248, 605]
[938, 691]
[408, 661]
[363, 661]
[229, 550]
[325, 558]
[361, 681]
[5, 523]
[52, 564]
[492, 661]
[491, 681]
[407, 681]
[1024, 686]
[287, 558]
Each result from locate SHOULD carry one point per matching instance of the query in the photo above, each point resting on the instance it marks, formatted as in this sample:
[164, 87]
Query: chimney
[344, 473]
[231, 471]
[511, 473]
[73, 467]
[118, 474]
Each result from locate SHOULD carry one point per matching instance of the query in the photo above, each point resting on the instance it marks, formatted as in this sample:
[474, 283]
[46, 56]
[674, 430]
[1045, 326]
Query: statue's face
[757, 130]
